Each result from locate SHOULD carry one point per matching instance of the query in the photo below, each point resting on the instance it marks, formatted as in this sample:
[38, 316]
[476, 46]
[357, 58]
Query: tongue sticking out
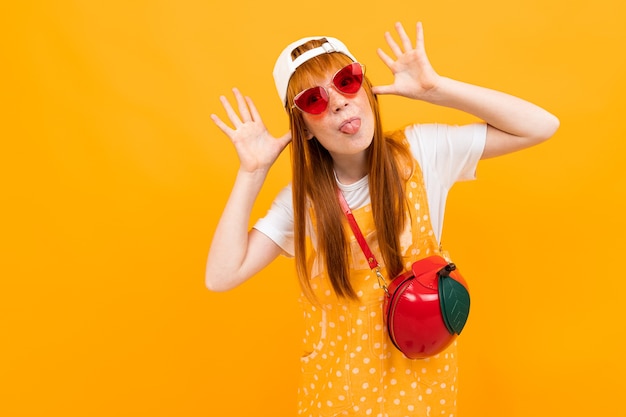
[351, 126]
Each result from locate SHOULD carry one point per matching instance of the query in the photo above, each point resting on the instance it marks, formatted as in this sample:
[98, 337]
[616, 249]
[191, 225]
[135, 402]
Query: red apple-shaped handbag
[425, 308]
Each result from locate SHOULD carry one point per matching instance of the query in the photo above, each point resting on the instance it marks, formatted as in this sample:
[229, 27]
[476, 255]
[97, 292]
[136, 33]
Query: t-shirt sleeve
[278, 222]
[452, 152]
[446, 154]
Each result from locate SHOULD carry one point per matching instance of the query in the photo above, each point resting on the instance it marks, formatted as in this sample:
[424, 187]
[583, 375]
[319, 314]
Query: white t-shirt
[446, 154]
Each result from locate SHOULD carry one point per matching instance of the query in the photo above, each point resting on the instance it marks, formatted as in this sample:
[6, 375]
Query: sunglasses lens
[313, 100]
[349, 79]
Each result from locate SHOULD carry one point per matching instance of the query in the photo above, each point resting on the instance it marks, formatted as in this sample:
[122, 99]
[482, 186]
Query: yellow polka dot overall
[350, 367]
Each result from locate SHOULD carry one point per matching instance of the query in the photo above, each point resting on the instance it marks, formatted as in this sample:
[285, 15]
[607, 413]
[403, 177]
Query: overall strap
[371, 259]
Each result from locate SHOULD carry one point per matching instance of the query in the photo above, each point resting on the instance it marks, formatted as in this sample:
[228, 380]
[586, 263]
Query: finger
[404, 38]
[232, 115]
[242, 106]
[383, 89]
[221, 125]
[393, 45]
[385, 58]
[285, 139]
[419, 41]
[254, 113]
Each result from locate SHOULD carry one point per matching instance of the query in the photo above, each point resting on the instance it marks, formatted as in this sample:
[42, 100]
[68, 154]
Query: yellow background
[113, 178]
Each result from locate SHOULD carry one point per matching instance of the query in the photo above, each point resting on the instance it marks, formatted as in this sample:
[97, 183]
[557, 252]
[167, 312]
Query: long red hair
[314, 185]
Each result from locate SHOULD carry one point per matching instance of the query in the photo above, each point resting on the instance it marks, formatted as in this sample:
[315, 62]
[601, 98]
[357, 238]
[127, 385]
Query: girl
[396, 186]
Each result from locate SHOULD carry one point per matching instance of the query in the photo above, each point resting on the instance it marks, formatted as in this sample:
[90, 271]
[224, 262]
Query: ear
[308, 134]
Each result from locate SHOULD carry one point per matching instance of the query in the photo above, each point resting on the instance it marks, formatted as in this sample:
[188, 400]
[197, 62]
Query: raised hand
[414, 77]
[256, 148]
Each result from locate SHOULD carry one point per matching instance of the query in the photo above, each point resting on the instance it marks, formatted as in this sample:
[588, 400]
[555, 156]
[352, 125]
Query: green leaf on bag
[455, 303]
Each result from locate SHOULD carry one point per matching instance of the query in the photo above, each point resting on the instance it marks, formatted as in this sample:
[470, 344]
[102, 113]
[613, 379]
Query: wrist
[252, 174]
[439, 91]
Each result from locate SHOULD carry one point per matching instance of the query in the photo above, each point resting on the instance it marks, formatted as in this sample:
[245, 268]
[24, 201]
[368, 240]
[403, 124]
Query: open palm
[414, 77]
[256, 148]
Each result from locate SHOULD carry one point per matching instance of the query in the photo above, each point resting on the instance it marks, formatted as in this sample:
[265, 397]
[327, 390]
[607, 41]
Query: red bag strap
[371, 259]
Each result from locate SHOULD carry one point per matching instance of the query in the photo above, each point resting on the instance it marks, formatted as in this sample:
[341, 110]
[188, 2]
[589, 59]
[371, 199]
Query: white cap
[285, 66]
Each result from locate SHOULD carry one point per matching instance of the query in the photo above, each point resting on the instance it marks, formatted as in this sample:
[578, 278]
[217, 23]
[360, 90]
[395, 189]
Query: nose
[336, 100]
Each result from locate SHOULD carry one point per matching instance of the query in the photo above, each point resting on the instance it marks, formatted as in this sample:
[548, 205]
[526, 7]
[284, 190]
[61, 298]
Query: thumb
[285, 139]
[383, 89]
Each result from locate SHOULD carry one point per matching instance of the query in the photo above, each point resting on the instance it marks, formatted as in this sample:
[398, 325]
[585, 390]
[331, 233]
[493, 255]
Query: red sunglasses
[347, 80]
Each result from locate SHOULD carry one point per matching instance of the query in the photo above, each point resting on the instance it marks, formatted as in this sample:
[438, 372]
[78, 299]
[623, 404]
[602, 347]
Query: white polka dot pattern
[350, 367]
